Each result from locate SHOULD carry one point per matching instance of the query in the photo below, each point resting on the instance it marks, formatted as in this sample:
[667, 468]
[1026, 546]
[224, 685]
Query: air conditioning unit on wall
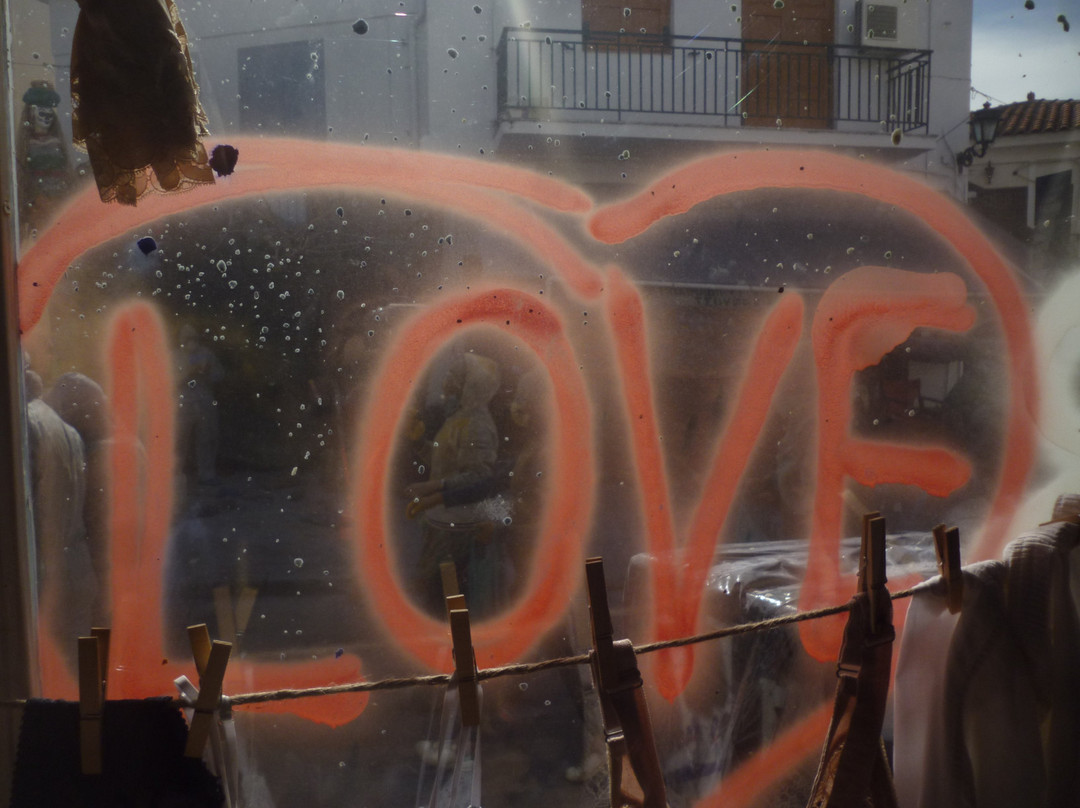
[893, 25]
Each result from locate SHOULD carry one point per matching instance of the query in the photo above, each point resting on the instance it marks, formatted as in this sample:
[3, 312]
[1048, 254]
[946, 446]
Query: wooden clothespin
[210, 662]
[627, 722]
[455, 602]
[448, 574]
[93, 681]
[854, 768]
[947, 547]
[603, 632]
[464, 661]
[872, 562]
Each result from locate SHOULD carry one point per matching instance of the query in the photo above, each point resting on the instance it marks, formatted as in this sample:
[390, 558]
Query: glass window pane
[496, 288]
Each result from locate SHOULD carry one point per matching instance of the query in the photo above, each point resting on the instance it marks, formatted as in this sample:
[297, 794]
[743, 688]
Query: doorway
[787, 75]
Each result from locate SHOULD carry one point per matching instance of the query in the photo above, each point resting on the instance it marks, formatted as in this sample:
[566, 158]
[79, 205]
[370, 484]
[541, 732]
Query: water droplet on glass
[523, 686]
[298, 562]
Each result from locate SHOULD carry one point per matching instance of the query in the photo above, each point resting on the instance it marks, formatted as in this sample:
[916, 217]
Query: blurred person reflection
[46, 169]
[457, 523]
[527, 484]
[66, 577]
[81, 403]
[198, 370]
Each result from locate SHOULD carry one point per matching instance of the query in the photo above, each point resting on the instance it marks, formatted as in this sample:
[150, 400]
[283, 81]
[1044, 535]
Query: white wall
[430, 78]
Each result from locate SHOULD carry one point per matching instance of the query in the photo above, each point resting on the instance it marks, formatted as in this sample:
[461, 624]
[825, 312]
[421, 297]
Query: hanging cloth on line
[987, 708]
[462, 744]
[854, 768]
[223, 744]
[634, 772]
[135, 104]
[143, 761]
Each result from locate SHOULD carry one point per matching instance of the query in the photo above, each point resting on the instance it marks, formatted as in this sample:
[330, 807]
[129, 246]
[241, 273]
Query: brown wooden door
[784, 79]
[640, 21]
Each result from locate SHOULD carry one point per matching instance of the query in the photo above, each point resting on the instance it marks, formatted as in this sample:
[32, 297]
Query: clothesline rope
[524, 668]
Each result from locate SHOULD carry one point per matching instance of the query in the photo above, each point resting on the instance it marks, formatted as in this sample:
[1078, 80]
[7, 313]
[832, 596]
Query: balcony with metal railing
[547, 74]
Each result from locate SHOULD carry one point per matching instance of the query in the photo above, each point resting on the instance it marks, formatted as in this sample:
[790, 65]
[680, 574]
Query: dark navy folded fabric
[143, 763]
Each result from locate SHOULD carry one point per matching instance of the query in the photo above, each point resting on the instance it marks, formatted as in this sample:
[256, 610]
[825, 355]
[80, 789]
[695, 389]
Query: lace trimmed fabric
[135, 104]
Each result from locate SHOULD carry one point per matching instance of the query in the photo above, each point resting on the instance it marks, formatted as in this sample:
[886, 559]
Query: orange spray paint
[491, 191]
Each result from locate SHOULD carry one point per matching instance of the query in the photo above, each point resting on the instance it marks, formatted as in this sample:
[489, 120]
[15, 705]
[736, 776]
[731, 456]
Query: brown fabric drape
[854, 769]
[135, 105]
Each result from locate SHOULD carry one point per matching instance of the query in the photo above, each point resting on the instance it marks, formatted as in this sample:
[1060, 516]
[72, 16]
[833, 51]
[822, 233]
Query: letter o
[552, 579]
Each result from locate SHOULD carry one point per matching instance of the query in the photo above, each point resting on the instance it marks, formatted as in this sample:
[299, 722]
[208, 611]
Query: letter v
[679, 571]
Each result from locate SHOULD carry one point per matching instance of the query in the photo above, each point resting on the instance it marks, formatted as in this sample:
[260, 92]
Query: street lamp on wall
[982, 130]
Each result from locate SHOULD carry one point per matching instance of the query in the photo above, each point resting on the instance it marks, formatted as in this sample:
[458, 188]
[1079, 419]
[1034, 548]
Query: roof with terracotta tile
[1037, 116]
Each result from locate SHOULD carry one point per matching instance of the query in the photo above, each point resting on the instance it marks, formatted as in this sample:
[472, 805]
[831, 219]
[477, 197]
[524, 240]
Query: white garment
[985, 715]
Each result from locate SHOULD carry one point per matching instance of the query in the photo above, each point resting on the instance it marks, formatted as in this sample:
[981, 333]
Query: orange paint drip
[140, 496]
[680, 571]
[626, 317]
[547, 592]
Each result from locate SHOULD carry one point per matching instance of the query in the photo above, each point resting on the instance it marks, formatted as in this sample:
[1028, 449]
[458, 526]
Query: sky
[1015, 50]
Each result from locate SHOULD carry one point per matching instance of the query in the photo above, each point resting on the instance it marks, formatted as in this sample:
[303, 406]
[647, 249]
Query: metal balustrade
[547, 74]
